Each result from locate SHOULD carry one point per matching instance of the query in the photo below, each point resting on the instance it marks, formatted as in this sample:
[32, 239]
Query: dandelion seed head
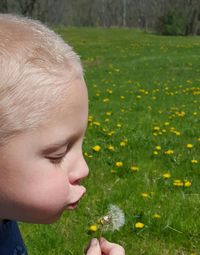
[114, 219]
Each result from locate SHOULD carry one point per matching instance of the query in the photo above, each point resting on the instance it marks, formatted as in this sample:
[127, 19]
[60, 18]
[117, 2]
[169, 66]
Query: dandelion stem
[101, 233]
[174, 229]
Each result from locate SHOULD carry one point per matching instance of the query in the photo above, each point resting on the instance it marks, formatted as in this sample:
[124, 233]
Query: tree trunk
[27, 7]
[3, 6]
[124, 13]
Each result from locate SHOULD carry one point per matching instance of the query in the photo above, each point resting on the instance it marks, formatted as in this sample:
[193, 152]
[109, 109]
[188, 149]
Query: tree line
[176, 17]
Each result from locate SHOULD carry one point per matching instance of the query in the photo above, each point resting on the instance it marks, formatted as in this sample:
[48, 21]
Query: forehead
[69, 121]
[74, 103]
[72, 113]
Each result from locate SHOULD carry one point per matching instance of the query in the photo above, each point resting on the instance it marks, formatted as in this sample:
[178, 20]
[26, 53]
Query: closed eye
[56, 160]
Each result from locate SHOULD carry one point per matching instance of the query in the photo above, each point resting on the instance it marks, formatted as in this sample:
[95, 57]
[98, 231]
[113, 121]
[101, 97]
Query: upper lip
[75, 202]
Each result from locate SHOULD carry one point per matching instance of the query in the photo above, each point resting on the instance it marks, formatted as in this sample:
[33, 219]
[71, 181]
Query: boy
[43, 118]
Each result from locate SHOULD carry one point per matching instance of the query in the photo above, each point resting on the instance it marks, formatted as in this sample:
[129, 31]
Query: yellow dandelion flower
[178, 183]
[96, 148]
[156, 128]
[111, 148]
[138, 96]
[119, 125]
[119, 164]
[106, 100]
[166, 123]
[166, 175]
[111, 133]
[90, 118]
[189, 145]
[134, 168]
[145, 195]
[198, 139]
[122, 144]
[169, 152]
[93, 228]
[156, 216]
[194, 161]
[96, 123]
[109, 91]
[180, 114]
[139, 225]
[155, 153]
[158, 148]
[108, 113]
[187, 183]
[87, 155]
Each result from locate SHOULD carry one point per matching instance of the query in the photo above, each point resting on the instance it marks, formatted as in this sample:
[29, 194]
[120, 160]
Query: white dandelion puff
[114, 219]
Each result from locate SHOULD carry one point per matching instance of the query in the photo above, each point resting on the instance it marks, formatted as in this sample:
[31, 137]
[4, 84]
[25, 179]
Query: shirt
[11, 242]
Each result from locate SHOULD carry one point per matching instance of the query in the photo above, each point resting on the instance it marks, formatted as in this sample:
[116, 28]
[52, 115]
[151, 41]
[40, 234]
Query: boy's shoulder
[11, 242]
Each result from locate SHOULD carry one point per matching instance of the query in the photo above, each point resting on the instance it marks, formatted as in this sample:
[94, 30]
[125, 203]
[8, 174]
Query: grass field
[144, 120]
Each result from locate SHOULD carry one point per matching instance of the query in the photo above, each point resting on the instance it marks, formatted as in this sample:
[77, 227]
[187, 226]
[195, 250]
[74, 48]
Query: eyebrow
[54, 146]
[50, 148]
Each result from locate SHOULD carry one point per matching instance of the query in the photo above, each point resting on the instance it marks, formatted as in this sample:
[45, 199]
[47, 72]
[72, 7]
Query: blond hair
[35, 66]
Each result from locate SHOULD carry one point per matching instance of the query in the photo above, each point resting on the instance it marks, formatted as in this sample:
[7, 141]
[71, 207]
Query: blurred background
[143, 139]
[172, 17]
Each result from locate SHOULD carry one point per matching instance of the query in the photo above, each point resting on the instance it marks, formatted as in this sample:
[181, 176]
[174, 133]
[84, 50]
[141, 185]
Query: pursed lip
[73, 205]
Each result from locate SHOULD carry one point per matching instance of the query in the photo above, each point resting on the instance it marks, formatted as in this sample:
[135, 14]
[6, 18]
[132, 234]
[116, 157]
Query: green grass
[150, 85]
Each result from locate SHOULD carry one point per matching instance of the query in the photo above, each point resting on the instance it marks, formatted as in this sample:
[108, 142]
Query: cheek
[42, 195]
[50, 192]
[36, 191]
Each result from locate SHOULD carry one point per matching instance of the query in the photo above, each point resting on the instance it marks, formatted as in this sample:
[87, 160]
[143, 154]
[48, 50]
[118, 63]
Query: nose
[79, 171]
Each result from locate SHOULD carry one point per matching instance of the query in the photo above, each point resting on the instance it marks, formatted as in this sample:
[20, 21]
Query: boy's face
[41, 170]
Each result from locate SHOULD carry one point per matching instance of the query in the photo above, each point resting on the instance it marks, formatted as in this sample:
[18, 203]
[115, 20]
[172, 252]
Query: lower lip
[73, 206]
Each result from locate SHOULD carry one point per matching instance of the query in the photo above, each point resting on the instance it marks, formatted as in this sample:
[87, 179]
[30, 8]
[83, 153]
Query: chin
[51, 219]
[46, 219]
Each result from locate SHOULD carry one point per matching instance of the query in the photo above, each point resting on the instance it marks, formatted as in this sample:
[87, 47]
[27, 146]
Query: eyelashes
[57, 160]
